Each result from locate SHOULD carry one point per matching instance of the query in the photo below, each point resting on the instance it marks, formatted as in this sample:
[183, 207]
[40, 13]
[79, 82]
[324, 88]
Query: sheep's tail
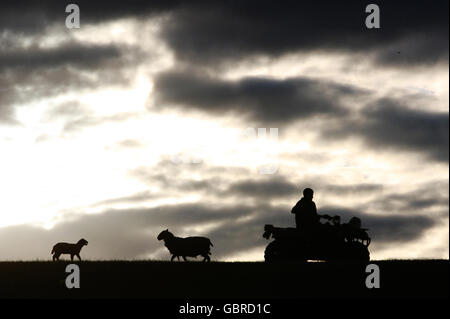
[53, 250]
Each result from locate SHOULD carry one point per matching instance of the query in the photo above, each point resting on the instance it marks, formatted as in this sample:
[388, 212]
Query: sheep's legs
[206, 258]
[173, 257]
[184, 257]
[56, 257]
[78, 255]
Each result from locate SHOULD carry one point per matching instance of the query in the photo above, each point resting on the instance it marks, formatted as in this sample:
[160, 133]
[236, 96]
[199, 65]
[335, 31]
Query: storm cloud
[126, 233]
[262, 99]
[389, 228]
[388, 124]
[36, 17]
[74, 54]
[35, 73]
[211, 32]
[131, 233]
[216, 32]
[92, 121]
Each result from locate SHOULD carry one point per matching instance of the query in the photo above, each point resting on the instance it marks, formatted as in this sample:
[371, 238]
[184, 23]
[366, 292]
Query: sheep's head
[165, 234]
[355, 222]
[268, 231]
[82, 242]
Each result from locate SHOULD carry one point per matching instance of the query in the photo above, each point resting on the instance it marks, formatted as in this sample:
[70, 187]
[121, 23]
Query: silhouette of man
[305, 210]
[306, 217]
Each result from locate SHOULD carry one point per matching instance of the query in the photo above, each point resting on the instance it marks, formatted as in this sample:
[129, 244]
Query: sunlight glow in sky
[130, 142]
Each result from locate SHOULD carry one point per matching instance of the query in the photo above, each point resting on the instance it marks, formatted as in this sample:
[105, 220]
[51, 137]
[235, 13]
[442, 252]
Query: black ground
[160, 280]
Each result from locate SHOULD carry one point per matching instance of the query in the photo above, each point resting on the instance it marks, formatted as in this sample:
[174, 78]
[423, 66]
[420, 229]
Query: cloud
[131, 232]
[36, 17]
[272, 188]
[352, 189]
[67, 110]
[74, 54]
[221, 182]
[129, 143]
[84, 122]
[422, 47]
[265, 100]
[41, 63]
[388, 124]
[7, 112]
[134, 198]
[389, 228]
[425, 198]
[117, 234]
[372, 198]
[177, 176]
[38, 62]
[210, 33]
[31, 76]
[279, 187]
[213, 33]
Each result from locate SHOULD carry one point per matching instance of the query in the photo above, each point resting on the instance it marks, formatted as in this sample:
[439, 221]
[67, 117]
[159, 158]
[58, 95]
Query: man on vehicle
[306, 217]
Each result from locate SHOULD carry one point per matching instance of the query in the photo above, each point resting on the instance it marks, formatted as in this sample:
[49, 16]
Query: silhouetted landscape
[217, 280]
[297, 150]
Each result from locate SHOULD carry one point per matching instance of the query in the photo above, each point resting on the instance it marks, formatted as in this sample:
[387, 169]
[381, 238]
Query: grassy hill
[158, 279]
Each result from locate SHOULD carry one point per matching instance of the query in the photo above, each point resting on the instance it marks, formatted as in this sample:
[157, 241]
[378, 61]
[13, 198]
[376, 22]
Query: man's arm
[294, 209]
[325, 216]
[314, 208]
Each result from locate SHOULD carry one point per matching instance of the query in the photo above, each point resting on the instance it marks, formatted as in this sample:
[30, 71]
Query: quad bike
[331, 241]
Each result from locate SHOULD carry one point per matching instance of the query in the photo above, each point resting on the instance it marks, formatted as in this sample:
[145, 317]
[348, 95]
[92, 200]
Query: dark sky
[143, 119]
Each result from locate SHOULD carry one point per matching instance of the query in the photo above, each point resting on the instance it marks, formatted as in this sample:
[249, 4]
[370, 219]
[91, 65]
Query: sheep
[186, 247]
[354, 232]
[66, 248]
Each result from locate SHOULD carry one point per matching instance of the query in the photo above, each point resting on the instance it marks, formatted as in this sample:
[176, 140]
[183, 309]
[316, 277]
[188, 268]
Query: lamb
[66, 248]
[186, 247]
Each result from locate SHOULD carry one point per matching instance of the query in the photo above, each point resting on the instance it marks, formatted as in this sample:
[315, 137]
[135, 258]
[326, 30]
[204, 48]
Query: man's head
[308, 193]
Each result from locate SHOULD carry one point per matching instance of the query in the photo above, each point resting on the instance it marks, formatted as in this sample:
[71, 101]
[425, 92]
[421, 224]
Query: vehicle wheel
[281, 251]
